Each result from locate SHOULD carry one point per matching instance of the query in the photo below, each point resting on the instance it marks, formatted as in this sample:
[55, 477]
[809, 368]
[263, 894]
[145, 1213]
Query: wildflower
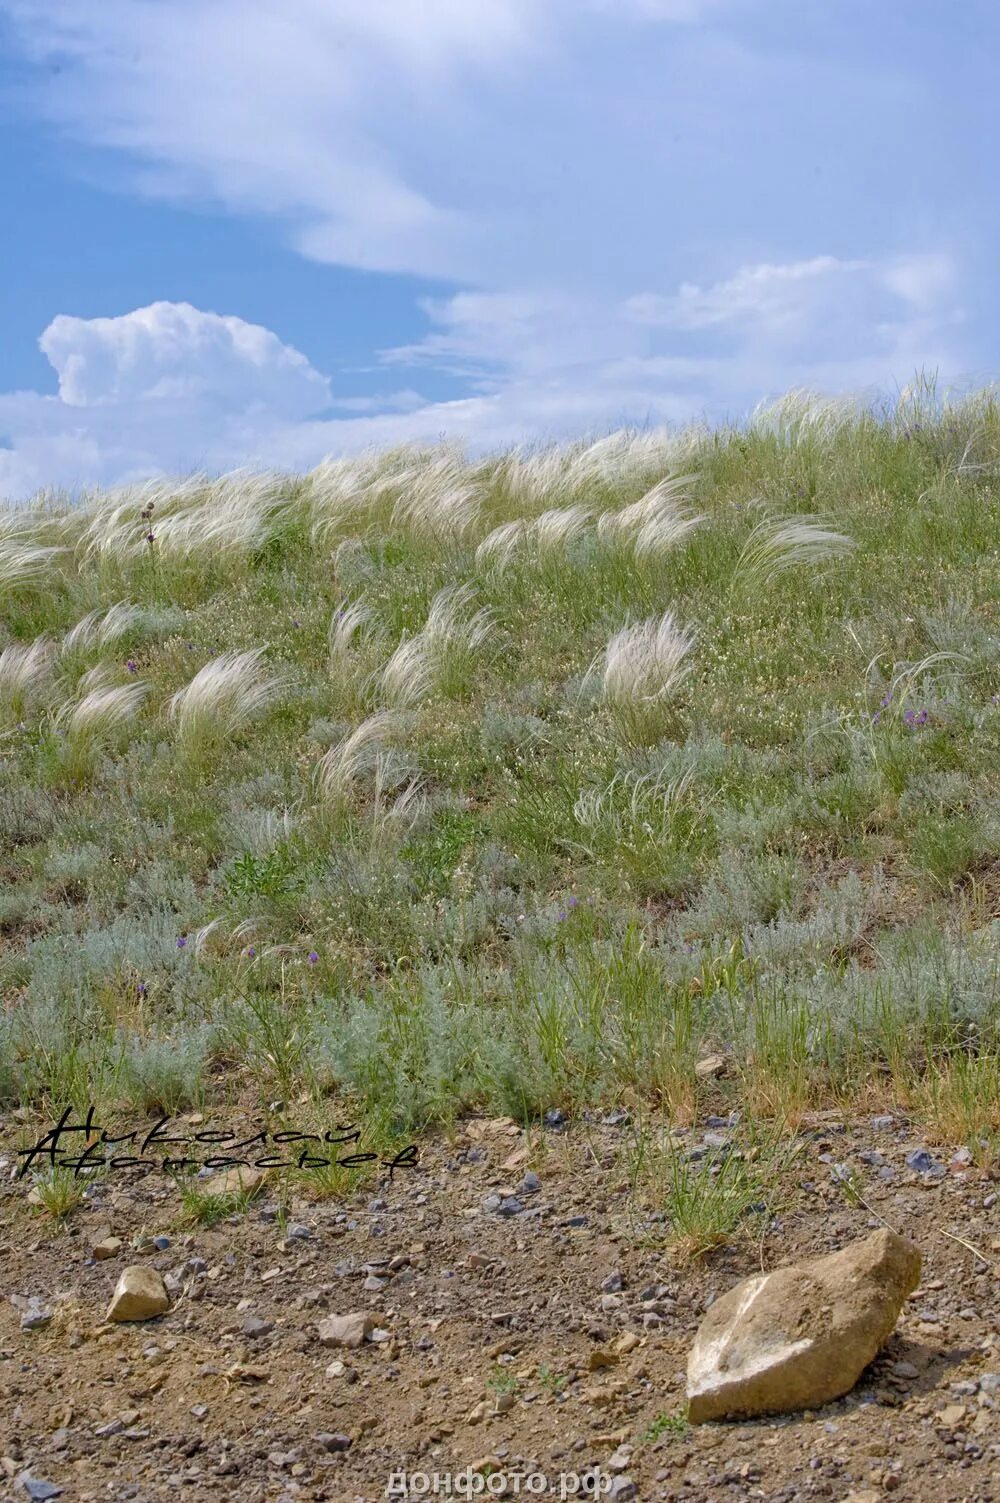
[561, 915]
[150, 537]
[250, 952]
[132, 666]
[573, 901]
[312, 958]
[181, 942]
[141, 988]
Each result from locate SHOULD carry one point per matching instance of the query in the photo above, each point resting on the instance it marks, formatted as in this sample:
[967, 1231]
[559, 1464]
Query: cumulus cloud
[168, 388]
[173, 352]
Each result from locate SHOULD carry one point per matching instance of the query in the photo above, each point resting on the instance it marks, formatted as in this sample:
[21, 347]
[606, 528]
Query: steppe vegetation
[521, 782]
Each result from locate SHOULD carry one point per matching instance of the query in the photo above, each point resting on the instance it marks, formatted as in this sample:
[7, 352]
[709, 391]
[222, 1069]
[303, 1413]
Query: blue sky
[258, 232]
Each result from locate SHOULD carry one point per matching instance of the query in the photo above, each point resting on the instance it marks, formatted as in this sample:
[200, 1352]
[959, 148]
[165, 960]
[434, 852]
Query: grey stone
[334, 1442]
[35, 1487]
[920, 1160]
[254, 1327]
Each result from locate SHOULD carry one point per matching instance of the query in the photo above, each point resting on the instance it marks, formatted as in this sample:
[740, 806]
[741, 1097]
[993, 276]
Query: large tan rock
[140, 1294]
[802, 1335]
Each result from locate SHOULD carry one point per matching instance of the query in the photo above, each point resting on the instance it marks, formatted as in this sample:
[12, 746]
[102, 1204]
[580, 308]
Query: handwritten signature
[49, 1148]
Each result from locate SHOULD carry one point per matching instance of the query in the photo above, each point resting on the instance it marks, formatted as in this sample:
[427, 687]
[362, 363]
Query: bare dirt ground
[495, 1346]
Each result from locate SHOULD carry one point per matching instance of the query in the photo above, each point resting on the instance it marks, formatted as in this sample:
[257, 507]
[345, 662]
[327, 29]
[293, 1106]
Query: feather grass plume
[645, 665]
[223, 698]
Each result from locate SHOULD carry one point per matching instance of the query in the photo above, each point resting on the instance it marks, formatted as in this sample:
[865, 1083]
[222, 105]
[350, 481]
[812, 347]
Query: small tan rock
[140, 1294]
[108, 1247]
[600, 1398]
[951, 1416]
[800, 1336]
[236, 1181]
[346, 1330]
[712, 1066]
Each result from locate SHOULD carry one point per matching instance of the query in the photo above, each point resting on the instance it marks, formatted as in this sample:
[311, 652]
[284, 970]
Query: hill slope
[519, 783]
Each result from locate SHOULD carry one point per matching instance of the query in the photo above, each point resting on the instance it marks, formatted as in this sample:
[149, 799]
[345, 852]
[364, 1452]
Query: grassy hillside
[524, 782]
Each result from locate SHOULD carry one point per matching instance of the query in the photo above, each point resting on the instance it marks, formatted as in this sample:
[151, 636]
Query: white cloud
[479, 332]
[173, 352]
[780, 296]
[301, 111]
[922, 280]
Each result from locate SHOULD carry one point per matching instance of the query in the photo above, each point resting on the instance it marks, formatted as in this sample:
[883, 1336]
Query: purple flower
[141, 988]
[573, 901]
[312, 958]
[250, 952]
[150, 537]
[132, 666]
[181, 942]
[561, 915]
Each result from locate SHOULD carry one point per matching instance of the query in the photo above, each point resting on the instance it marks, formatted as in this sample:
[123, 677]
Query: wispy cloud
[792, 297]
